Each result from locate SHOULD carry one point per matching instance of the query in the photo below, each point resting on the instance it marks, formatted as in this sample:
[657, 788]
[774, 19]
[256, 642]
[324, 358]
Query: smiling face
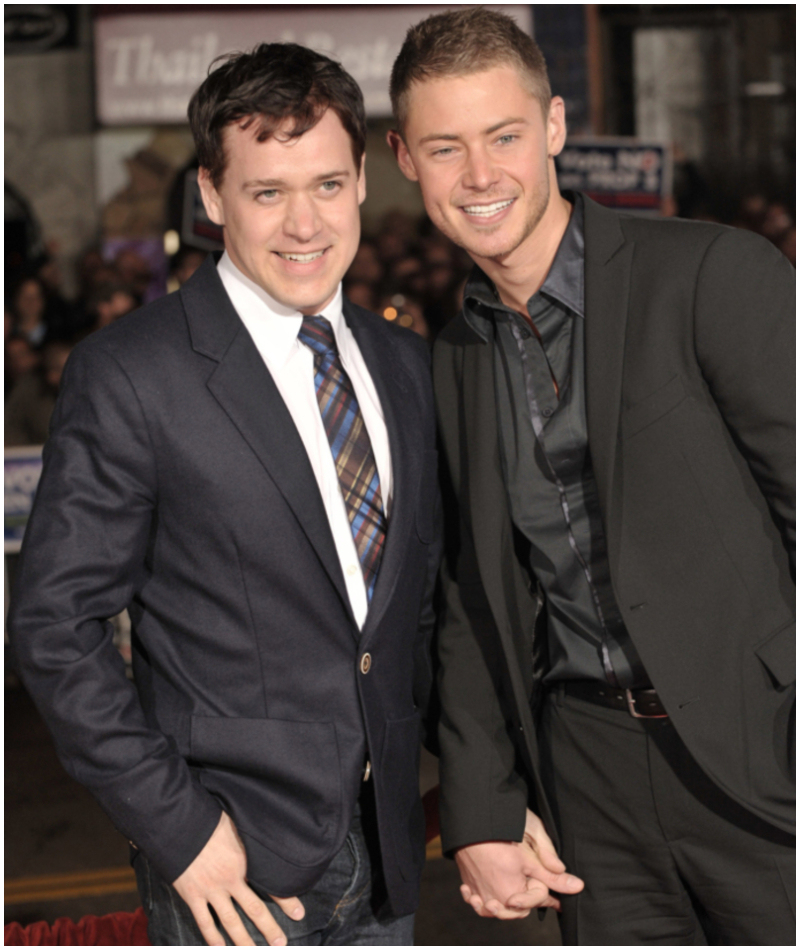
[482, 152]
[289, 207]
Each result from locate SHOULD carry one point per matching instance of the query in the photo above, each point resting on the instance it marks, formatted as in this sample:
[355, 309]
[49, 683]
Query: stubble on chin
[535, 215]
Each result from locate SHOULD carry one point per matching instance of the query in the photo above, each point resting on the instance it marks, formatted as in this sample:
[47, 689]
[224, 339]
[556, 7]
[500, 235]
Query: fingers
[205, 922]
[544, 850]
[560, 883]
[232, 923]
[537, 839]
[543, 864]
[535, 896]
[256, 910]
[473, 900]
[494, 908]
[512, 911]
[291, 906]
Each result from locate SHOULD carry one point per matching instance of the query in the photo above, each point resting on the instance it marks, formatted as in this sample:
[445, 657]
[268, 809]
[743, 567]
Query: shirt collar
[564, 281]
[272, 322]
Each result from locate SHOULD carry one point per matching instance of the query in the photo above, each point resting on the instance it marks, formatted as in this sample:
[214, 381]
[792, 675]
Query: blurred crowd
[406, 271]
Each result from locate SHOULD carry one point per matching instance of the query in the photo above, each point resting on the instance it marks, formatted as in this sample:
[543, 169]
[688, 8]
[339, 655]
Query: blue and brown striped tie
[350, 447]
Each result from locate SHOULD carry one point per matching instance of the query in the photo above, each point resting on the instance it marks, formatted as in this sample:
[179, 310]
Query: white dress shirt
[274, 329]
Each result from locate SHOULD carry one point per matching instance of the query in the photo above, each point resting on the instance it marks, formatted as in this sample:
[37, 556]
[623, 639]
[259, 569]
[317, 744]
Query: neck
[519, 274]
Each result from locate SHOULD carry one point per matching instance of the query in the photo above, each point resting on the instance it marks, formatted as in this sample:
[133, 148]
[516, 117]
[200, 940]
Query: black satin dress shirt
[552, 493]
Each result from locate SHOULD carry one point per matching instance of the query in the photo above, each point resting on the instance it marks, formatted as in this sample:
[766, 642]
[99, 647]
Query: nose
[480, 172]
[302, 221]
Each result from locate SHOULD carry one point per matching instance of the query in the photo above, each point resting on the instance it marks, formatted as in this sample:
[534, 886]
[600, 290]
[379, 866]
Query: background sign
[23, 466]
[36, 28]
[625, 173]
[197, 229]
[148, 66]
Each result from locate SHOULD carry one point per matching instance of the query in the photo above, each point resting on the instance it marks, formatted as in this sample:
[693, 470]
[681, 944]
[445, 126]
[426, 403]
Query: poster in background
[197, 229]
[23, 468]
[628, 174]
[148, 66]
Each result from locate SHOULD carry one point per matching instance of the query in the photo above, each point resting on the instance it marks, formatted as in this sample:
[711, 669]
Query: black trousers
[668, 859]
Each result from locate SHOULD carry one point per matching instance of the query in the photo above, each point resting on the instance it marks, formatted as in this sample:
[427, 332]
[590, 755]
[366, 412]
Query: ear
[210, 196]
[556, 127]
[402, 154]
[362, 180]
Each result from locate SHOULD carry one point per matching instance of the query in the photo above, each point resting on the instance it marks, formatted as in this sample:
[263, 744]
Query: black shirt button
[547, 412]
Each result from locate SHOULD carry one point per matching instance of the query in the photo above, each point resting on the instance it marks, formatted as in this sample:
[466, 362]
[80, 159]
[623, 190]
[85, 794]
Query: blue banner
[625, 173]
[23, 467]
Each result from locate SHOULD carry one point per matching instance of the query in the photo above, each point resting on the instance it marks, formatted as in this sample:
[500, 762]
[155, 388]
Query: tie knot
[317, 333]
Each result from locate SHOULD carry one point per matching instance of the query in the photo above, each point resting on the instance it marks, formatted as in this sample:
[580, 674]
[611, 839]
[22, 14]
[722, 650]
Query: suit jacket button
[366, 663]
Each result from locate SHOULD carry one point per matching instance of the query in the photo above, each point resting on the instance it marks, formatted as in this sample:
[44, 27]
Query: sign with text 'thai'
[148, 66]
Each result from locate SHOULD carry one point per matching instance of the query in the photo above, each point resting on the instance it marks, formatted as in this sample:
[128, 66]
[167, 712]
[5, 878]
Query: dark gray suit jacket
[690, 406]
[176, 484]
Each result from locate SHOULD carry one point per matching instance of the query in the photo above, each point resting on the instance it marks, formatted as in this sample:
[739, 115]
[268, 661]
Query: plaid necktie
[350, 446]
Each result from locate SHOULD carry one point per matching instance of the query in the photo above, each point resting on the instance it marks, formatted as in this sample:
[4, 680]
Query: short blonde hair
[460, 42]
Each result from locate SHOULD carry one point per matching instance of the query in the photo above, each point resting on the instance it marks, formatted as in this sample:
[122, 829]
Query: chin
[489, 247]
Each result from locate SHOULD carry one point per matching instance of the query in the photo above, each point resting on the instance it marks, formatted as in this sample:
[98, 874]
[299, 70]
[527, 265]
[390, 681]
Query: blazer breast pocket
[650, 409]
[427, 496]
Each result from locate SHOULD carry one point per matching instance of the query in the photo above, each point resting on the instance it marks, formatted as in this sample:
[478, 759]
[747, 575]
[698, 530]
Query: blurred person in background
[249, 464]
[361, 293]
[20, 360]
[396, 234]
[28, 305]
[29, 407]
[133, 271]
[788, 245]
[107, 302]
[776, 223]
[366, 266]
[93, 270]
[616, 406]
[185, 263]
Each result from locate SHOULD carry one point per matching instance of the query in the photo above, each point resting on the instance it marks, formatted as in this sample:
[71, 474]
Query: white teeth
[487, 210]
[301, 258]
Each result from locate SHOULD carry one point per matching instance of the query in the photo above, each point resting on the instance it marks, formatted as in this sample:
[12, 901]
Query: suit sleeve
[745, 343]
[483, 793]
[84, 558]
[430, 516]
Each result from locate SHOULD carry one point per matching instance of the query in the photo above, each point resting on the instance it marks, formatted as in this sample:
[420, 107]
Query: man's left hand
[537, 869]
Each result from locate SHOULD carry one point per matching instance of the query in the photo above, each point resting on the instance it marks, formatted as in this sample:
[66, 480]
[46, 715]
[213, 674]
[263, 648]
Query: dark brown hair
[273, 83]
[461, 42]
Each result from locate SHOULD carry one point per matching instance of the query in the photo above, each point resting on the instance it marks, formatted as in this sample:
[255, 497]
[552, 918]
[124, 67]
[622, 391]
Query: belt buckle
[637, 715]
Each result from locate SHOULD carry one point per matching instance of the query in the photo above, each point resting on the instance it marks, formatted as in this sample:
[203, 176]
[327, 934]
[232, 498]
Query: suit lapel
[488, 501]
[608, 271]
[395, 391]
[244, 388]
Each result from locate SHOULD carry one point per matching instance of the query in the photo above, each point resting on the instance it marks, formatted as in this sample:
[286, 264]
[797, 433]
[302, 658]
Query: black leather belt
[640, 703]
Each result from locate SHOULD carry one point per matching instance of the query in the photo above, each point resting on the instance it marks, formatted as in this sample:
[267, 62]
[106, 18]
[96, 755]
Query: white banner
[148, 66]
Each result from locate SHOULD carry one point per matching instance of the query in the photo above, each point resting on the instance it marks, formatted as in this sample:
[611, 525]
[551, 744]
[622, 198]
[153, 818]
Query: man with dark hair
[249, 466]
[616, 403]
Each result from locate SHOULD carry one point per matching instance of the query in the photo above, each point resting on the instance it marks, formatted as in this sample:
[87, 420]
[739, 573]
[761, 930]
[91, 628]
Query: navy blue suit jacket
[176, 484]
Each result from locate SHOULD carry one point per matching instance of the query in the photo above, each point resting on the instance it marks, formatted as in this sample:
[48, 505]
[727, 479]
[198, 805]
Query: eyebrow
[445, 137]
[276, 182]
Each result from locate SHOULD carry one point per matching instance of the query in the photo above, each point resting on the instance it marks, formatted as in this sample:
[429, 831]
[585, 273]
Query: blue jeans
[339, 908]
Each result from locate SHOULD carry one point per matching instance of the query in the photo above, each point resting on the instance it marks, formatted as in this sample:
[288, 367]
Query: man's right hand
[217, 876]
[507, 879]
